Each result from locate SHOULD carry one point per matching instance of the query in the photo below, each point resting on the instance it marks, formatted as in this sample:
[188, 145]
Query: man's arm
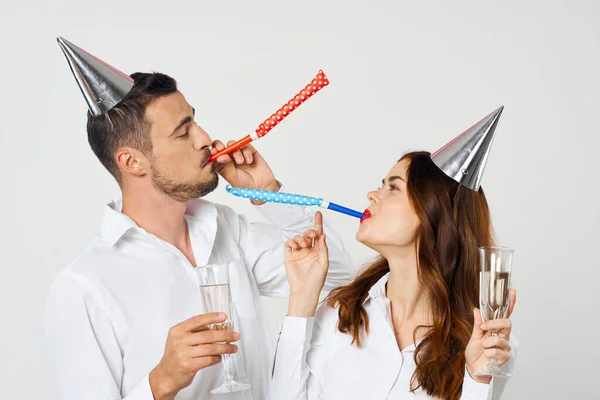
[86, 356]
[86, 359]
[263, 244]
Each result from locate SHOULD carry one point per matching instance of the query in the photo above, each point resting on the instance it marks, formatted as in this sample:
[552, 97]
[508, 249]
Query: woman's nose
[373, 197]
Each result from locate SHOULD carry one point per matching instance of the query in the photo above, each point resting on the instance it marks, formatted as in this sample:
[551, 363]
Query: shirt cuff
[284, 215]
[141, 391]
[297, 329]
[293, 341]
[476, 389]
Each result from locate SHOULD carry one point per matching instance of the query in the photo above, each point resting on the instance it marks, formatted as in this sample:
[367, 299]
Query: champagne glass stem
[227, 367]
[215, 290]
[492, 368]
[492, 363]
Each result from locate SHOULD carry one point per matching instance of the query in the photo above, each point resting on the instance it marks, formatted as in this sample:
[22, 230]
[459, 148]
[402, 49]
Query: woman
[407, 326]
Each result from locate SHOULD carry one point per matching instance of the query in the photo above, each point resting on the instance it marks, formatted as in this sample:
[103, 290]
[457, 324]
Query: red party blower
[313, 87]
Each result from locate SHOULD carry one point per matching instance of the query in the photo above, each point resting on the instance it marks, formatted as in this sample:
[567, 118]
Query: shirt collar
[378, 289]
[201, 216]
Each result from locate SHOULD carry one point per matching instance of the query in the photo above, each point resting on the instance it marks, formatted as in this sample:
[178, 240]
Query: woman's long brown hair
[454, 222]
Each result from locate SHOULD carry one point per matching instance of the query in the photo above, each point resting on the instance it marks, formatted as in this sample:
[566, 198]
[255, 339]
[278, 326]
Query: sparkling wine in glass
[216, 297]
[494, 288]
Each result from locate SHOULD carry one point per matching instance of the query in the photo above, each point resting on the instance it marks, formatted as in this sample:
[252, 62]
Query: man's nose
[201, 139]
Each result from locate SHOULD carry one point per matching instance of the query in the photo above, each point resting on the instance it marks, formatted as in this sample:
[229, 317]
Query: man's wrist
[274, 186]
[161, 389]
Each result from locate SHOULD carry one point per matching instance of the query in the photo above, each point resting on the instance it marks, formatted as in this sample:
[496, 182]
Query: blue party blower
[287, 198]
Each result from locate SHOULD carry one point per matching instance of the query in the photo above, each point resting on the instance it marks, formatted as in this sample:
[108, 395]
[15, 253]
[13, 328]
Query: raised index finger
[319, 223]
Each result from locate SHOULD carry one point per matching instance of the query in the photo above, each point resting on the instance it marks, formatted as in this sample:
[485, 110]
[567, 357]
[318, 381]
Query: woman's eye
[392, 188]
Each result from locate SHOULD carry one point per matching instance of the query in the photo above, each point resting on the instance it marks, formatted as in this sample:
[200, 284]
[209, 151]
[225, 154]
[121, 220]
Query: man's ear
[132, 161]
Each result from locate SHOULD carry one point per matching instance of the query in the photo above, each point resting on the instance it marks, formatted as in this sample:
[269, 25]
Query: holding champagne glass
[495, 294]
[408, 326]
[216, 297]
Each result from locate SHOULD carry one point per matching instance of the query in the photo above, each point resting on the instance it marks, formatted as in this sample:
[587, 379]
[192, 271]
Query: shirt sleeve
[85, 356]
[300, 360]
[473, 390]
[263, 247]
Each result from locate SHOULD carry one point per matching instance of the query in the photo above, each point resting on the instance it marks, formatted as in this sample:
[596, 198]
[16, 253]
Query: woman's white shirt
[314, 361]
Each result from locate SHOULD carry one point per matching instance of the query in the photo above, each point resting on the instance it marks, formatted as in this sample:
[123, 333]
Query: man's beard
[183, 191]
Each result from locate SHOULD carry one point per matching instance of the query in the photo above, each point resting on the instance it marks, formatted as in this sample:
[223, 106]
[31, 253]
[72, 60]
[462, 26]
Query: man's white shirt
[108, 314]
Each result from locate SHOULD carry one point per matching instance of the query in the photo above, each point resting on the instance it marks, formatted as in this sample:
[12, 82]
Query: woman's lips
[367, 215]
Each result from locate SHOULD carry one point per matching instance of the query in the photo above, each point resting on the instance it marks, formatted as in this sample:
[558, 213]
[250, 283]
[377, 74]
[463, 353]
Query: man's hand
[245, 168]
[190, 347]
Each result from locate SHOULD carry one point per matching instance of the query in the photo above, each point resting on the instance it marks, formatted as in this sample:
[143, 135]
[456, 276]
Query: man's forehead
[166, 108]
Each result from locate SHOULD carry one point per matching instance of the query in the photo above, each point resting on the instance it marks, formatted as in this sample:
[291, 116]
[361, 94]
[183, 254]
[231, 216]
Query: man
[126, 319]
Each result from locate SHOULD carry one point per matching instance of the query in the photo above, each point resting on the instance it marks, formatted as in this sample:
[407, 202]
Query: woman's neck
[409, 300]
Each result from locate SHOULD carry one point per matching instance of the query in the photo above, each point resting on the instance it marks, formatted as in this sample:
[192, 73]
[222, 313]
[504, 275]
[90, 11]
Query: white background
[404, 76]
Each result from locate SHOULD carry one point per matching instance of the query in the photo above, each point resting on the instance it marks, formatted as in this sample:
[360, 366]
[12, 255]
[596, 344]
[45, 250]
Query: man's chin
[185, 192]
[211, 185]
[204, 188]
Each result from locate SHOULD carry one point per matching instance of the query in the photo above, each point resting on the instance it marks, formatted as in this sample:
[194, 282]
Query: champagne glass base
[493, 371]
[230, 387]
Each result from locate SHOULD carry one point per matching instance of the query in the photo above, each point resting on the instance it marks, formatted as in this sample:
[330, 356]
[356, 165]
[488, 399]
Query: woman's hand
[306, 263]
[482, 347]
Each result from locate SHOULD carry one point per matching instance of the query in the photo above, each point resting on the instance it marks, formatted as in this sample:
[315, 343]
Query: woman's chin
[359, 235]
[367, 240]
[363, 238]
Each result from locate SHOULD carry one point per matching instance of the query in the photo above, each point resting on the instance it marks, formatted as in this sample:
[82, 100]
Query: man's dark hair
[124, 125]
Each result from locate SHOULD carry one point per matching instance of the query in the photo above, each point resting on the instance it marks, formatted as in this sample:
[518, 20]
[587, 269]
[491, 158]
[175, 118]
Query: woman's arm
[300, 354]
[300, 359]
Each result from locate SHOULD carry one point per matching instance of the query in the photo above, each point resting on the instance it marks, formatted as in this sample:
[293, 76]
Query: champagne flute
[216, 297]
[494, 287]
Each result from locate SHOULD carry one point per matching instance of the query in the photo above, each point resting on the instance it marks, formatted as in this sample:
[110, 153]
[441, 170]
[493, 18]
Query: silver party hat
[464, 158]
[102, 85]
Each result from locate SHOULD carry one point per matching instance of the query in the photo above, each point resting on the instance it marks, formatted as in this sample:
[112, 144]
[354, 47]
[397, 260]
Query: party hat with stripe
[464, 158]
[102, 85]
